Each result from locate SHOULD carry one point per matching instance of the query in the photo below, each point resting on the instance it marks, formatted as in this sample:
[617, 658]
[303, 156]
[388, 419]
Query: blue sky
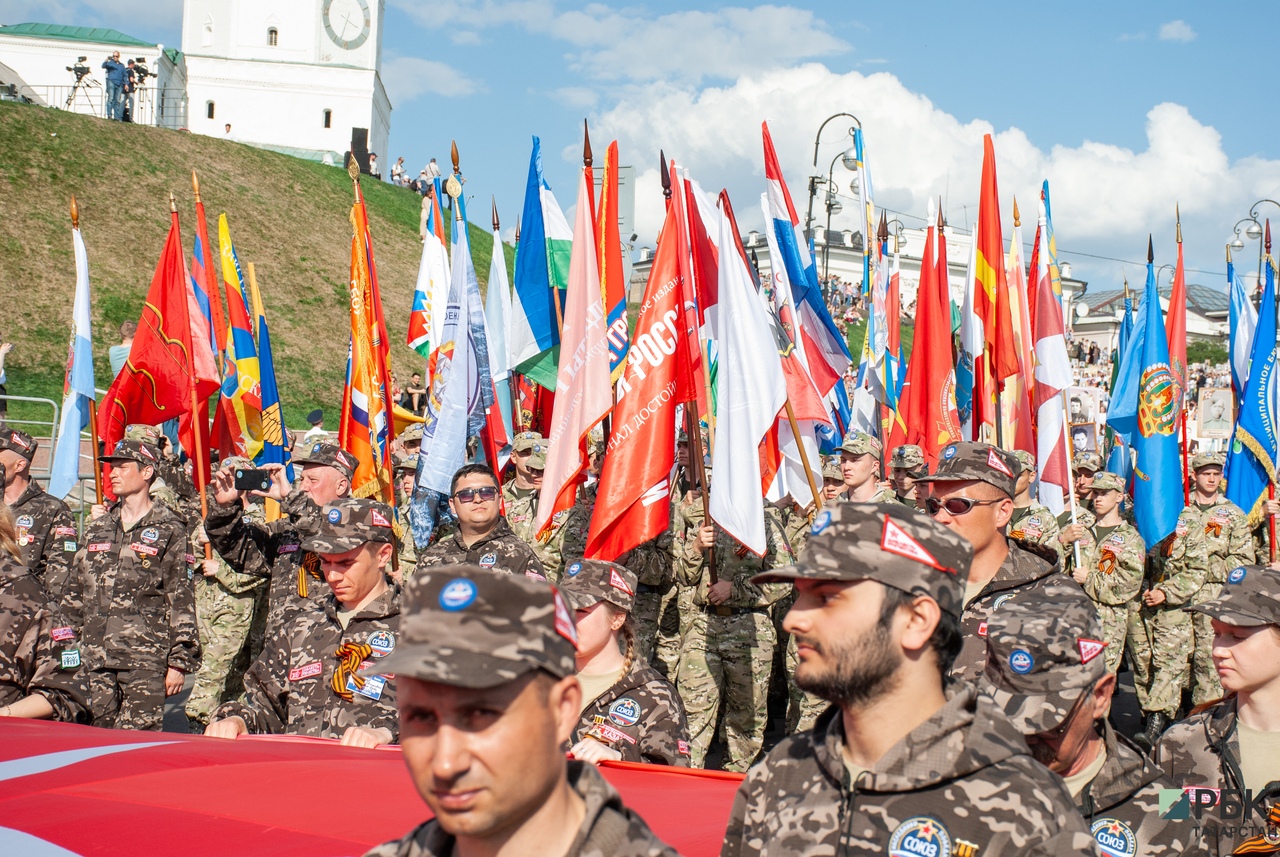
[1126, 107]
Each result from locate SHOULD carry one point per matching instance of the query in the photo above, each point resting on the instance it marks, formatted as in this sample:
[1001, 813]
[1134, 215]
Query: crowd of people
[924, 664]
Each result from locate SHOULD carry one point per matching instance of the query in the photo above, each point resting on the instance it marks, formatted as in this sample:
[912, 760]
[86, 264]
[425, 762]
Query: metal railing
[80, 497]
[165, 107]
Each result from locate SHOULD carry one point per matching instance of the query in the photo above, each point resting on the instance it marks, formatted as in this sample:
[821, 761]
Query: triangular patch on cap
[616, 581]
[994, 462]
[379, 519]
[1089, 649]
[895, 540]
[564, 619]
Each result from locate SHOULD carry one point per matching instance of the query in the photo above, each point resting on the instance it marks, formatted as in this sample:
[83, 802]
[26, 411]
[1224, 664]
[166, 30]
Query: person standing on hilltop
[115, 85]
[118, 354]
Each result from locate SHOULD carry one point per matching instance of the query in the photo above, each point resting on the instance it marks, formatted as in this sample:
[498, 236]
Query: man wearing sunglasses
[483, 537]
[971, 494]
[1047, 671]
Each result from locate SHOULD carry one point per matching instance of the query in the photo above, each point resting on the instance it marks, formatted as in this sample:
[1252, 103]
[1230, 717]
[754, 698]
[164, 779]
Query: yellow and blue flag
[1252, 459]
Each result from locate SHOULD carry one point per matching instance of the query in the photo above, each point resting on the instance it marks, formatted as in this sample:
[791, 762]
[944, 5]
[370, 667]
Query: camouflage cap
[1090, 461]
[234, 461]
[465, 626]
[133, 450]
[329, 455]
[831, 470]
[1251, 596]
[981, 462]
[590, 581]
[1207, 459]
[18, 441]
[897, 546]
[1041, 655]
[350, 522]
[144, 433]
[909, 457]
[406, 462]
[1026, 461]
[595, 441]
[1107, 481]
[861, 443]
[413, 431]
[525, 441]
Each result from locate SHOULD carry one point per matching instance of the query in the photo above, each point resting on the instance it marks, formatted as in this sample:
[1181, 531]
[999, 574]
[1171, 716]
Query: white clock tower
[296, 74]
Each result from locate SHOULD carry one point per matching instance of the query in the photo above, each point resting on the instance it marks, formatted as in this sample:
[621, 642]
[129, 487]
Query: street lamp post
[815, 176]
[833, 205]
[1253, 215]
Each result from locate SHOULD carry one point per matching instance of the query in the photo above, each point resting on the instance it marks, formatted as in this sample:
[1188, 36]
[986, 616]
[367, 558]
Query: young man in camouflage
[274, 550]
[860, 464]
[1112, 557]
[406, 472]
[46, 531]
[483, 537]
[907, 467]
[488, 699]
[1161, 635]
[901, 764]
[1230, 752]
[1031, 523]
[971, 494]
[529, 457]
[1046, 671]
[1230, 543]
[729, 647]
[305, 681]
[130, 594]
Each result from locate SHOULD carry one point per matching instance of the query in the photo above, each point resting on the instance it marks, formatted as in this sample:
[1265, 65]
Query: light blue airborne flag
[1251, 463]
[1120, 461]
[77, 390]
[1244, 321]
[1144, 412]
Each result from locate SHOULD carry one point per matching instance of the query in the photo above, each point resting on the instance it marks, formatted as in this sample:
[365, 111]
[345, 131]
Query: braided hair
[628, 634]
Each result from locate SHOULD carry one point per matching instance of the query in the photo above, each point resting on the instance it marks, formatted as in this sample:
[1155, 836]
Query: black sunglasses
[954, 505]
[469, 495]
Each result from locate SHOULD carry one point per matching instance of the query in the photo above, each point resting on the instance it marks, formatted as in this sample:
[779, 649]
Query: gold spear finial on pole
[353, 169]
[195, 185]
[587, 159]
[1177, 214]
[75, 213]
[1017, 218]
[453, 151]
[173, 203]
[495, 213]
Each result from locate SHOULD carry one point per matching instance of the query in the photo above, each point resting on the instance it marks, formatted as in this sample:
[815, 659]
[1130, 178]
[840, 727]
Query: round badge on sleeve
[457, 594]
[920, 837]
[820, 523]
[335, 515]
[573, 569]
[1021, 662]
[383, 643]
[1114, 838]
[1237, 575]
[625, 712]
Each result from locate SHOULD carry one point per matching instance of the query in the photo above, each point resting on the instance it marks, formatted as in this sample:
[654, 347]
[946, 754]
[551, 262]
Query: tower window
[328, 118]
[273, 36]
[206, 34]
[208, 110]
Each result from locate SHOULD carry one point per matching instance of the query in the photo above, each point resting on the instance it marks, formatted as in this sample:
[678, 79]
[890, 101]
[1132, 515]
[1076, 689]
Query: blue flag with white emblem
[1144, 411]
[1251, 462]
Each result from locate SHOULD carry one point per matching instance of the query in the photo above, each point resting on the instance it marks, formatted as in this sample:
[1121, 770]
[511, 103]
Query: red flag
[991, 299]
[158, 381]
[1175, 325]
[633, 503]
[927, 409]
[1052, 376]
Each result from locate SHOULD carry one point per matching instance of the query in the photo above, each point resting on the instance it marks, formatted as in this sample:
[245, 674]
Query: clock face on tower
[346, 22]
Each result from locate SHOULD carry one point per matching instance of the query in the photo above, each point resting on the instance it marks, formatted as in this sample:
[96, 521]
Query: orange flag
[999, 359]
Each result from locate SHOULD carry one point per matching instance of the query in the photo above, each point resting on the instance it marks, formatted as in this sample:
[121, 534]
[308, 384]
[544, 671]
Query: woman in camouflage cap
[629, 711]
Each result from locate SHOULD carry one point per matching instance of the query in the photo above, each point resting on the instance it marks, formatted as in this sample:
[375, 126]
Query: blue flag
[77, 391]
[1251, 462]
[1144, 411]
[1244, 321]
[275, 450]
[1120, 461]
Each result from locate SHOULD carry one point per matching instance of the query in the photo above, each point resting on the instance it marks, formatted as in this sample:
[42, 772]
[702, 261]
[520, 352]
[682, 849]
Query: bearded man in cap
[274, 550]
[47, 532]
[901, 763]
[306, 682]
[130, 595]
[1046, 671]
[488, 699]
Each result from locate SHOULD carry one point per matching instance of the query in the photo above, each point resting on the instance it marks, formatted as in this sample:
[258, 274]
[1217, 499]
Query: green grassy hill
[287, 216]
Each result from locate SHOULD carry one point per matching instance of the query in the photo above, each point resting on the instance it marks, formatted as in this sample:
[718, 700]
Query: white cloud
[465, 37]
[1177, 31]
[1106, 198]
[408, 77]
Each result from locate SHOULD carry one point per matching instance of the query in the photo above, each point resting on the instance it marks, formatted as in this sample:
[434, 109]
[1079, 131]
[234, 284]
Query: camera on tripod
[141, 71]
[80, 70]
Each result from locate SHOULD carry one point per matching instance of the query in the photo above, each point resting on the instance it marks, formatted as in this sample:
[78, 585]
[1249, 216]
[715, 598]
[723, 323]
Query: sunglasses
[469, 495]
[954, 505]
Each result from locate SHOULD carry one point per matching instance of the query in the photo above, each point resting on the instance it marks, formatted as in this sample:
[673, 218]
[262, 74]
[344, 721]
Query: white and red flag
[1053, 375]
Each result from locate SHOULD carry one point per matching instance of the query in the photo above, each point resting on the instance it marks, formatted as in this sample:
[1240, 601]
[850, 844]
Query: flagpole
[1071, 479]
[1271, 483]
[93, 402]
[1182, 378]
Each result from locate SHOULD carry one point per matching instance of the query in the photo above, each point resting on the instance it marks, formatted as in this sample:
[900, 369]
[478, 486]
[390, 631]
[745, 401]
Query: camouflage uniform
[1161, 638]
[1230, 544]
[522, 514]
[130, 593]
[910, 458]
[858, 443]
[729, 649]
[1034, 523]
[305, 681]
[407, 557]
[675, 609]
[46, 530]
[609, 828]
[501, 550]
[641, 717]
[231, 614]
[1115, 567]
[38, 648]
[802, 708]
[655, 574]
[962, 783]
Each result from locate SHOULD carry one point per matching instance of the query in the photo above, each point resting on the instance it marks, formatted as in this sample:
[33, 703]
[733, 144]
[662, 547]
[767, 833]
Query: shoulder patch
[625, 712]
[1114, 838]
[921, 836]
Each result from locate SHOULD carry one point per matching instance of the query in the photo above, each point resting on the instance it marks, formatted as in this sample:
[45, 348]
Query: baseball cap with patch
[133, 450]
[413, 431]
[143, 432]
[861, 443]
[465, 626]
[348, 523]
[1090, 461]
[328, 455]
[897, 546]
[831, 470]
[18, 441]
[525, 441]
[538, 455]
[406, 462]
[1207, 459]
[981, 462]
[1041, 655]
[1250, 597]
[590, 581]
[1107, 481]
[1026, 461]
[909, 457]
